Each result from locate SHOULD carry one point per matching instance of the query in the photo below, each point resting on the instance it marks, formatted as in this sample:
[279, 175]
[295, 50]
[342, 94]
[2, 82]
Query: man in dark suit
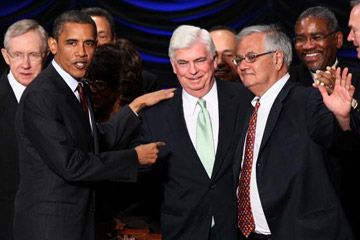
[60, 143]
[25, 49]
[317, 40]
[285, 191]
[199, 199]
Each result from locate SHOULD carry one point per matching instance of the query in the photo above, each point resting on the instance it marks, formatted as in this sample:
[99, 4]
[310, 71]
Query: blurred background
[149, 23]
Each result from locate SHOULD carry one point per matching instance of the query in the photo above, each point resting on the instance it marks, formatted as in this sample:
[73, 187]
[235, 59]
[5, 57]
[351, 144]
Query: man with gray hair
[25, 50]
[201, 126]
[284, 191]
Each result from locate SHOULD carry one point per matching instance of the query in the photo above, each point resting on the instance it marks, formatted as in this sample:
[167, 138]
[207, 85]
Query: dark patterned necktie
[82, 96]
[246, 221]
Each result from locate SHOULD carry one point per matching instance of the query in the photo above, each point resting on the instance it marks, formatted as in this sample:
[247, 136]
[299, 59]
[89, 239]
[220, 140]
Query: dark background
[149, 23]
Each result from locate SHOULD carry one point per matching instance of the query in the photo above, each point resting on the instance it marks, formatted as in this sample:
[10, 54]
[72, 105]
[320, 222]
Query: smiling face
[30, 46]
[316, 53]
[194, 68]
[74, 48]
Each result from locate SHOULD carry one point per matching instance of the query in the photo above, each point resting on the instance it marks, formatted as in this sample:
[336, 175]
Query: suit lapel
[274, 114]
[228, 123]
[8, 102]
[92, 116]
[68, 96]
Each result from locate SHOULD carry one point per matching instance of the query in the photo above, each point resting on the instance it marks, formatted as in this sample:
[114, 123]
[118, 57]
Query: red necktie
[246, 221]
[83, 102]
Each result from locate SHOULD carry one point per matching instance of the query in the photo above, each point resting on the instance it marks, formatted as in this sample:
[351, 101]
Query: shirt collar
[191, 102]
[70, 81]
[272, 92]
[17, 87]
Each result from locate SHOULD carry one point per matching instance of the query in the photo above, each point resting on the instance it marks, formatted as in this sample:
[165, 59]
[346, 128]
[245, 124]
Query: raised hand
[148, 153]
[150, 99]
[339, 101]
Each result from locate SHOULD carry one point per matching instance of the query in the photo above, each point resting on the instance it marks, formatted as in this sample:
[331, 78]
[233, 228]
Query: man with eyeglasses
[25, 50]
[316, 42]
[284, 191]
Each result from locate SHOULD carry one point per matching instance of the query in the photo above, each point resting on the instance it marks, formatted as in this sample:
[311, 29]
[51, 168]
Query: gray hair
[274, 39]
[24, 26]
[353, 3]
[185, 36]
[323, 13]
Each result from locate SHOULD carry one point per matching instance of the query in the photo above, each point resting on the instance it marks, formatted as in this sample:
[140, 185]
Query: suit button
[212, 186]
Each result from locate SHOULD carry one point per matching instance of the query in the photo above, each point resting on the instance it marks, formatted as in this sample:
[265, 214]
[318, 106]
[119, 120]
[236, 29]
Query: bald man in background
[225, 42]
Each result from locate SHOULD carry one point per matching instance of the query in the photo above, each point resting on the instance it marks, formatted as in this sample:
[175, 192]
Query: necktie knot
[202, 103]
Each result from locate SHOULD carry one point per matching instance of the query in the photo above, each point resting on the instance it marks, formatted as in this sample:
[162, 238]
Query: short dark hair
[100, 12]
[323, 13]
[73, 16]
[119, 66]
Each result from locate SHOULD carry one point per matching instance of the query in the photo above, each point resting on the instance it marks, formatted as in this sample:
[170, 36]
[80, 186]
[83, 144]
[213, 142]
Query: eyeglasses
[249, 57]
[314, 37]
[98, 84]
[19, 56]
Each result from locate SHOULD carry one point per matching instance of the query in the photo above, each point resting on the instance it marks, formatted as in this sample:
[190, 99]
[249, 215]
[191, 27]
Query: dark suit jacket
[57, 161]
[149, 81]
[9, 173]
[301, 74]
[297, 196]
[191, 198]
[343, 155]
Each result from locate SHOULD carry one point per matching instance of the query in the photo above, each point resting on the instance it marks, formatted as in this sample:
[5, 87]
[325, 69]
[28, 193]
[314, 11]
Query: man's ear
[279, 59]
[5, 56]
[215, 59]
[52, 45]
[173, 65]
[339, 39]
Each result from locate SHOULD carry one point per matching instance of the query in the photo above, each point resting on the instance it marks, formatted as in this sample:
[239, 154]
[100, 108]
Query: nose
[81, 51]
[350, 37]
[309, 43]
[192, 68]
[219, 59]
[25, 62]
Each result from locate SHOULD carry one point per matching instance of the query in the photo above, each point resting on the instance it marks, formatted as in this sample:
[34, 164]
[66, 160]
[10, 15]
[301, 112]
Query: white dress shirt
[17, 87]
[266, 102]
[191, 110]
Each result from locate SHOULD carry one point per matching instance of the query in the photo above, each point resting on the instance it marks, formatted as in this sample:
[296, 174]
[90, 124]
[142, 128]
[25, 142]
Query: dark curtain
[149, 23]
